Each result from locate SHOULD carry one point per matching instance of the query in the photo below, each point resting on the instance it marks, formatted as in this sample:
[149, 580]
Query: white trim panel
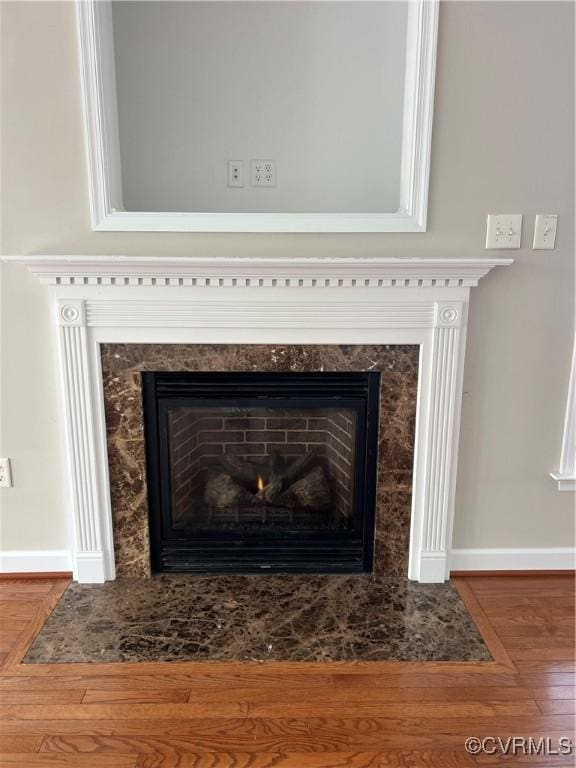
[566, 475]
[565, 482]
[540, 559]
[35, 561]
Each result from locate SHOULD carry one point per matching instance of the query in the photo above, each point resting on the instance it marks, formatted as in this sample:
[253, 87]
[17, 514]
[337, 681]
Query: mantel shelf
[292, 272]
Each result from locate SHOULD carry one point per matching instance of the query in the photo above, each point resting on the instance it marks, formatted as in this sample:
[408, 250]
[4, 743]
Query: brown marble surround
[121, 368]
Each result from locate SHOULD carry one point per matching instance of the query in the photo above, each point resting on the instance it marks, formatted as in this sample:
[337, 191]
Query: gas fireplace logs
[278, 482]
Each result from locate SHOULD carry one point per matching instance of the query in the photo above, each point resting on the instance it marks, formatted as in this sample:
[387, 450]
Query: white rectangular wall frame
[103, 148]
[111, 299]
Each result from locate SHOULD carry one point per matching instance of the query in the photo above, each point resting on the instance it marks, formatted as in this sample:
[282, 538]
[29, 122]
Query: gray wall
[317, 87]
[494, 150]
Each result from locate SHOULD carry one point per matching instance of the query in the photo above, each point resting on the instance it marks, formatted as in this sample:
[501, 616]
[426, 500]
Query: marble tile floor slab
[259, 618]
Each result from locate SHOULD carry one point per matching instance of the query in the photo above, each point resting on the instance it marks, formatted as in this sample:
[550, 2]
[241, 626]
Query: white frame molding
[103, 148]
[108, 299]
[566, 475]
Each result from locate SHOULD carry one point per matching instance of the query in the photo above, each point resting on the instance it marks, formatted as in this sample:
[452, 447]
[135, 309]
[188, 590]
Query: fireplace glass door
[251, 472]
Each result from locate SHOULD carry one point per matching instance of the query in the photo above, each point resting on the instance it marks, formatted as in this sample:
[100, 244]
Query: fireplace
[255, 472]
[117, 316]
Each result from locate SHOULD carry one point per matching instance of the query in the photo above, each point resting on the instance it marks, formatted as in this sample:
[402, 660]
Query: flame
[260, 483]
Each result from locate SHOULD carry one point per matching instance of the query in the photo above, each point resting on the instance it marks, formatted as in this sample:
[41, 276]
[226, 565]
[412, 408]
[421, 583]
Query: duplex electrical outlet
[262, 173]
[5, 474]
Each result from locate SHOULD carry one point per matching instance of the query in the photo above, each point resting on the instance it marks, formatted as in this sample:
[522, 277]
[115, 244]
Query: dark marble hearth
[259, 618]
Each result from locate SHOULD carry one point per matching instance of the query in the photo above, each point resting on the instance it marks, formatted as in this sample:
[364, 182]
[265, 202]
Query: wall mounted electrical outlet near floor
[5, 474]
[262, 173]
[545, 231]
[504, 230]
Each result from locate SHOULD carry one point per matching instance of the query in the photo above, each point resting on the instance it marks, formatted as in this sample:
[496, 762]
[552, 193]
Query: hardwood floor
[345, 715]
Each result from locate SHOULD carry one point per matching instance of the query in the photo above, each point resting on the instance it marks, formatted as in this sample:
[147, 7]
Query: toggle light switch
[545, 231]
[504, 230]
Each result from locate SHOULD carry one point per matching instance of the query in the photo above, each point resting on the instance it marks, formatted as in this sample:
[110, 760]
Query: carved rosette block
[71, 314]
[448, 315]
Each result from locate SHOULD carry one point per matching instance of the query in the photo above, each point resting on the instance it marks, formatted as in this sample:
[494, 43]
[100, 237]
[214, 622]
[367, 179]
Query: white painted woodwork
[514, 559]
[241, 272]
[112, 299]
[566, 475]
[35, 561]
[503, 559]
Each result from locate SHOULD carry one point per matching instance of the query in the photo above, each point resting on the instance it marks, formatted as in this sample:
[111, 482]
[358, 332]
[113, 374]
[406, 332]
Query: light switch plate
[545, 231]
[504, 230]
[5, 474]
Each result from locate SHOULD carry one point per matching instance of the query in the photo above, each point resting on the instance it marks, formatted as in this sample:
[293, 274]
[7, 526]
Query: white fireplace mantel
[108, 299]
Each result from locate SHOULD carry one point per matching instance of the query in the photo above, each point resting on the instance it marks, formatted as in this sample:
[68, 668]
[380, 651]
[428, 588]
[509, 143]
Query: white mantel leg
[87, 556]
[442, 415]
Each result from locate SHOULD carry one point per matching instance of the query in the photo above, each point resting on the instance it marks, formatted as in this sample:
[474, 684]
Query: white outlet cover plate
[545, 231]
[504, 230]
[262, 173]
[235, 173]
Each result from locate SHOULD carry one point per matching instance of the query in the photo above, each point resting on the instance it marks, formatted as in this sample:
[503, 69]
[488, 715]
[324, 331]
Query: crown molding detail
[282, 272]
[164, 300]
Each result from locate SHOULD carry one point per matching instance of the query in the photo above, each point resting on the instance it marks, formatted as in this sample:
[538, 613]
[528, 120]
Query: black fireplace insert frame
[296, 551]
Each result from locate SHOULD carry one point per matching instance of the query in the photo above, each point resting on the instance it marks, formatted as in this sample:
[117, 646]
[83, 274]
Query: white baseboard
[35, 561]
[550, 558]
[540, 559]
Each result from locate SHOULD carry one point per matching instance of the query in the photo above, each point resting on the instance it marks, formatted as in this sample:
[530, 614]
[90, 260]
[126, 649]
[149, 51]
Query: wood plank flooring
[301, 715]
